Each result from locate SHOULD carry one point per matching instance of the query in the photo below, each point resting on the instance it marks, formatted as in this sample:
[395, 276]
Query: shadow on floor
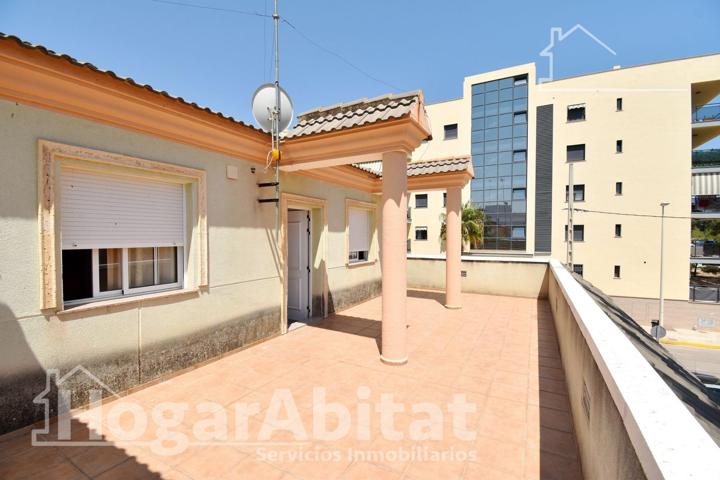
[63, 460]
[428, 295]
[363, 327]
[558, 452]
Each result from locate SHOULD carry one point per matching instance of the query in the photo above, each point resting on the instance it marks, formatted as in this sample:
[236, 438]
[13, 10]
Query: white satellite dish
[263, 103]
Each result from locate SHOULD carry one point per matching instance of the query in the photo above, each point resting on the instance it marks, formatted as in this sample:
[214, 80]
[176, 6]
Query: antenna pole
[276, 121]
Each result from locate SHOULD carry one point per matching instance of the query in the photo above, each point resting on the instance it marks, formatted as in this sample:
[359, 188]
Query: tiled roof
[354, 114]
[428, 167]
[443, 165]
[110, 73]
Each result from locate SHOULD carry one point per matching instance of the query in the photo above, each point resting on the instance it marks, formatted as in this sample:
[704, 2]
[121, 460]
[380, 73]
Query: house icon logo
[62, 389]
[557, 36]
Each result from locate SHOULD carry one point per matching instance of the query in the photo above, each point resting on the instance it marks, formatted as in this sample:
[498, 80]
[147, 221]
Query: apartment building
[628, 132]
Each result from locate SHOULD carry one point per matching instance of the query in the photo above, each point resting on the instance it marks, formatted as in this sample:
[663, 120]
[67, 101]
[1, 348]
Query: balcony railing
[704, 294]
[704, 249]
[705, 204]
[706, 158]
[706, 113]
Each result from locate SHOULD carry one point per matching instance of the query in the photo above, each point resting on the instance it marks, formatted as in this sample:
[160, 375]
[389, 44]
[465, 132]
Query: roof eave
[45, 80]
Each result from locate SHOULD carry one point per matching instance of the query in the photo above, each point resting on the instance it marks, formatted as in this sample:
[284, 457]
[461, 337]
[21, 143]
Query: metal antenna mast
[276, 121]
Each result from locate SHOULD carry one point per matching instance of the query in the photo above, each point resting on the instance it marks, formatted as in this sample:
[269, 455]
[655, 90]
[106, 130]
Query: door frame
[308, 274]
[312, 204]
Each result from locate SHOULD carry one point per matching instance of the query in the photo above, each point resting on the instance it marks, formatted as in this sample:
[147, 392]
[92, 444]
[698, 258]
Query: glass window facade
[499, 150]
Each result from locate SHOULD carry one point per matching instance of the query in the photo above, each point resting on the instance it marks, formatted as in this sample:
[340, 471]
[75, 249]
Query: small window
[520, 81]
[576, 113]
[421, 233]
[518, 233]
[618, 188]
[579, 195]
[519, 194]
[359, 235]
[92, 274]
[576, 153]
[519, 155]
[578, 233]
[578, 268]
[451, 131]
[409, 246]
[444, 199]
[618, 146]
[421, 200]
[618, 230]
[616, 271]
[520, 117]
[619, 104]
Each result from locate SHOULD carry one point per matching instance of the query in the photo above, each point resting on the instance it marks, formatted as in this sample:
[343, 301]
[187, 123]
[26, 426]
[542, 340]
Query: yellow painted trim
[53, 155]
[668, 341]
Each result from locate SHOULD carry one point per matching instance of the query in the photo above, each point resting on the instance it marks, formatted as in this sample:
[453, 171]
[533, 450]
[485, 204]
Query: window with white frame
[421, 233]
[359, 235]
[121, 235]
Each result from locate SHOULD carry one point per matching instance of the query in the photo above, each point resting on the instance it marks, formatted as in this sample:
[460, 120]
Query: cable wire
[642, 215]
[208, 7]
[292, 26]
[339, 57]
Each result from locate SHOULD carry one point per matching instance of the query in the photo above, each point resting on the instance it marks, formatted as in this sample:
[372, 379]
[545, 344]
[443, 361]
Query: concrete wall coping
[478, 258]
[668, 440]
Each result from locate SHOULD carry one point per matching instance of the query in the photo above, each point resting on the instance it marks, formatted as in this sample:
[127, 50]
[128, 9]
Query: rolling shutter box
[359, 230]
[114, 211]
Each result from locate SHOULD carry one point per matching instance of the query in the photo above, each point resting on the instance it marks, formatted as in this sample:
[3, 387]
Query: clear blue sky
[217, 58]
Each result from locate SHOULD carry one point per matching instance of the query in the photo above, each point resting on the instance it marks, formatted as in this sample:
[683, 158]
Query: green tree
[472, 226]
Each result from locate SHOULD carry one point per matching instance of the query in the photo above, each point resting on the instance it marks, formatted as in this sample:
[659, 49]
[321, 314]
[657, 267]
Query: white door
[298, 264]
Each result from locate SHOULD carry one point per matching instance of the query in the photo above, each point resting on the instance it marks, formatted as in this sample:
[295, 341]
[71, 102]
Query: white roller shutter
[359, 230]
[706, 183]
[114, 211]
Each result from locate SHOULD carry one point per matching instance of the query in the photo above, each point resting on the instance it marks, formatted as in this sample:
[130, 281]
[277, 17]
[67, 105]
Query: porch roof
[357, 113]
[426, 167]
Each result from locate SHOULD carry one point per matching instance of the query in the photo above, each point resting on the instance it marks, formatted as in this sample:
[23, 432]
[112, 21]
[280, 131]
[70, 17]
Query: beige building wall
[654, 166]
[134, 343]
[439, 114]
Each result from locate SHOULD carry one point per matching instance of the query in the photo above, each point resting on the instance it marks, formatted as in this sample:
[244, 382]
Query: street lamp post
[662, 241]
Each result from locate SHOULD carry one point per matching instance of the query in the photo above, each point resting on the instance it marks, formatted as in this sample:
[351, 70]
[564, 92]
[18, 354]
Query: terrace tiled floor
[500, 351]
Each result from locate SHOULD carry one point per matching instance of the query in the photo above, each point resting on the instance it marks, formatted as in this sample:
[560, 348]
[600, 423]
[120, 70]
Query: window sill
[576, 121]
[360, 264]
[89, 307]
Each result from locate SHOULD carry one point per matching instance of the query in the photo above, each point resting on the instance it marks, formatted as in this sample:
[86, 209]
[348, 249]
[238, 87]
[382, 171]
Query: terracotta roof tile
[428, 167]
[128, 80]
[354, 114]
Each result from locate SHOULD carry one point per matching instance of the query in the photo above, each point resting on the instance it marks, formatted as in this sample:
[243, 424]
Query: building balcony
[705, 206]
[705, 124]
[706, 113]
[558, 390]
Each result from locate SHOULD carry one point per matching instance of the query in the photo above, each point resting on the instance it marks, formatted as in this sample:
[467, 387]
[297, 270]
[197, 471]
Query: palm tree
[472, 225]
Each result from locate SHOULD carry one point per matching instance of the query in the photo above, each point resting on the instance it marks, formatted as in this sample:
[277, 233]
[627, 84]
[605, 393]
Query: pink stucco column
[453, 249]
[393, 261]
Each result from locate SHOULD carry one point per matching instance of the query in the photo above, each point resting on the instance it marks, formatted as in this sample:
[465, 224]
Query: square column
[394, 258]
[453, 248]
